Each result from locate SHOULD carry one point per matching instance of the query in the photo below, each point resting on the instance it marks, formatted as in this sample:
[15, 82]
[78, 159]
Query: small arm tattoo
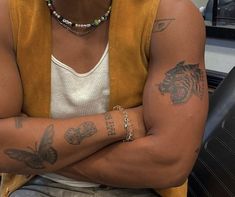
[36, 158]
[75, 136]
[162, 24]
[109, 124]
[19, 122]
[183, 81]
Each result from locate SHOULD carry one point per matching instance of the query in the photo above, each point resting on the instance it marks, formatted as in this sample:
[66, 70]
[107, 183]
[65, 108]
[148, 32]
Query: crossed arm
[175, 108]
[174, 111]
[36, 145]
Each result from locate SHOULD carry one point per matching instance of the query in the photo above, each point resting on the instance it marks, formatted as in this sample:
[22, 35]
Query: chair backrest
[225, 11]
[214, 172]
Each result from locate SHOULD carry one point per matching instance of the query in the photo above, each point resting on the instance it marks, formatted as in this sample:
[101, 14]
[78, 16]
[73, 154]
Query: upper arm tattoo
[161, 24]
[75, 136]
[35, 158]
[109, 124]
[183, 81]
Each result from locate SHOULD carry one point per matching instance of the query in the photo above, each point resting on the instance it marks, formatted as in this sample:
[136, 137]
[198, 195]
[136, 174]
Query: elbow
[170, 168]
[174, 177]
[177, 179]
[177, 173]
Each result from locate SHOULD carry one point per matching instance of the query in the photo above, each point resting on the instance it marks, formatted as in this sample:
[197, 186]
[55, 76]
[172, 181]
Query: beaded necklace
[71, 25]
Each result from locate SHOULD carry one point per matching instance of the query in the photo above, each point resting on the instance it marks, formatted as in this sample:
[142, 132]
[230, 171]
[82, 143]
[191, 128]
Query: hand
[73, 172]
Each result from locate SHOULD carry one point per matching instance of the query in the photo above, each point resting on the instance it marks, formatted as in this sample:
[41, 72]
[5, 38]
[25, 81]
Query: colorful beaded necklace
[69, 24]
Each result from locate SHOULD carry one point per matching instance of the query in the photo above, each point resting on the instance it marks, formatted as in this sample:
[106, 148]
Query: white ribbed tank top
[74, 95]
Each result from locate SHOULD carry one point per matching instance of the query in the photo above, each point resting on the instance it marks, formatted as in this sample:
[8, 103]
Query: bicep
[10, 86]
[10, 83]
[175, 95]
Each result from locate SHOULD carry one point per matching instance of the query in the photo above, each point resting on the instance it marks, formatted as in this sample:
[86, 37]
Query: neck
[81, 11]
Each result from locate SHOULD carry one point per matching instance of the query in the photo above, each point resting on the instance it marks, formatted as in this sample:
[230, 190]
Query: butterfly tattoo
[43, 153]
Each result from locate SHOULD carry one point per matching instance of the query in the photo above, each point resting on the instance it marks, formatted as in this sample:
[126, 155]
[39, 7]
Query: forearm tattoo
[36, 158]
[19, 122]
[109, 124]
[183, 81]
[75, 136]
[161, 24]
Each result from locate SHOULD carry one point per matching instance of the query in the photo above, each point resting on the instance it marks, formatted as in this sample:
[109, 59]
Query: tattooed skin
[161, 24]
[75, 136]
[19, 122]
[109, 124]
[35, 159]
[183, 81]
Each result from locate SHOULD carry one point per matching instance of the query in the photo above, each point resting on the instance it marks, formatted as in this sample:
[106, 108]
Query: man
[161, 117]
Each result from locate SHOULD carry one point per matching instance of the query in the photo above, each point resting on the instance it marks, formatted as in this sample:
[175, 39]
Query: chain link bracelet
[127, 124]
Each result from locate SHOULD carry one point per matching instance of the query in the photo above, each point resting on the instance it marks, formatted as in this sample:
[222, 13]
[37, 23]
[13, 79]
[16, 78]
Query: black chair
[214, 172]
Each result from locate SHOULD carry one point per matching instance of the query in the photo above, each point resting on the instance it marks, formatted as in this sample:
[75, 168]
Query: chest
[81, 53]
[74, 94]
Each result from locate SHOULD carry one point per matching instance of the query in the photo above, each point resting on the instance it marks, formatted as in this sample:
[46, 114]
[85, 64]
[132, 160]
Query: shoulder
[178, 21]
[182, 10]
[176, 6]
[178, 33]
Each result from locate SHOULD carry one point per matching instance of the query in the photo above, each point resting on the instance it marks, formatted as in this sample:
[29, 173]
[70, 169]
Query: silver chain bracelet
[127, 124]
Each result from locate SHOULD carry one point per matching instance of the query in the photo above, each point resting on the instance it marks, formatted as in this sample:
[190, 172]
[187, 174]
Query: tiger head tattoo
[183, 81]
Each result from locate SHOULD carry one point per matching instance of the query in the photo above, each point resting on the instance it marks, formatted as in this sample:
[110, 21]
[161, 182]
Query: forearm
[33, 145]
[143, 163]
